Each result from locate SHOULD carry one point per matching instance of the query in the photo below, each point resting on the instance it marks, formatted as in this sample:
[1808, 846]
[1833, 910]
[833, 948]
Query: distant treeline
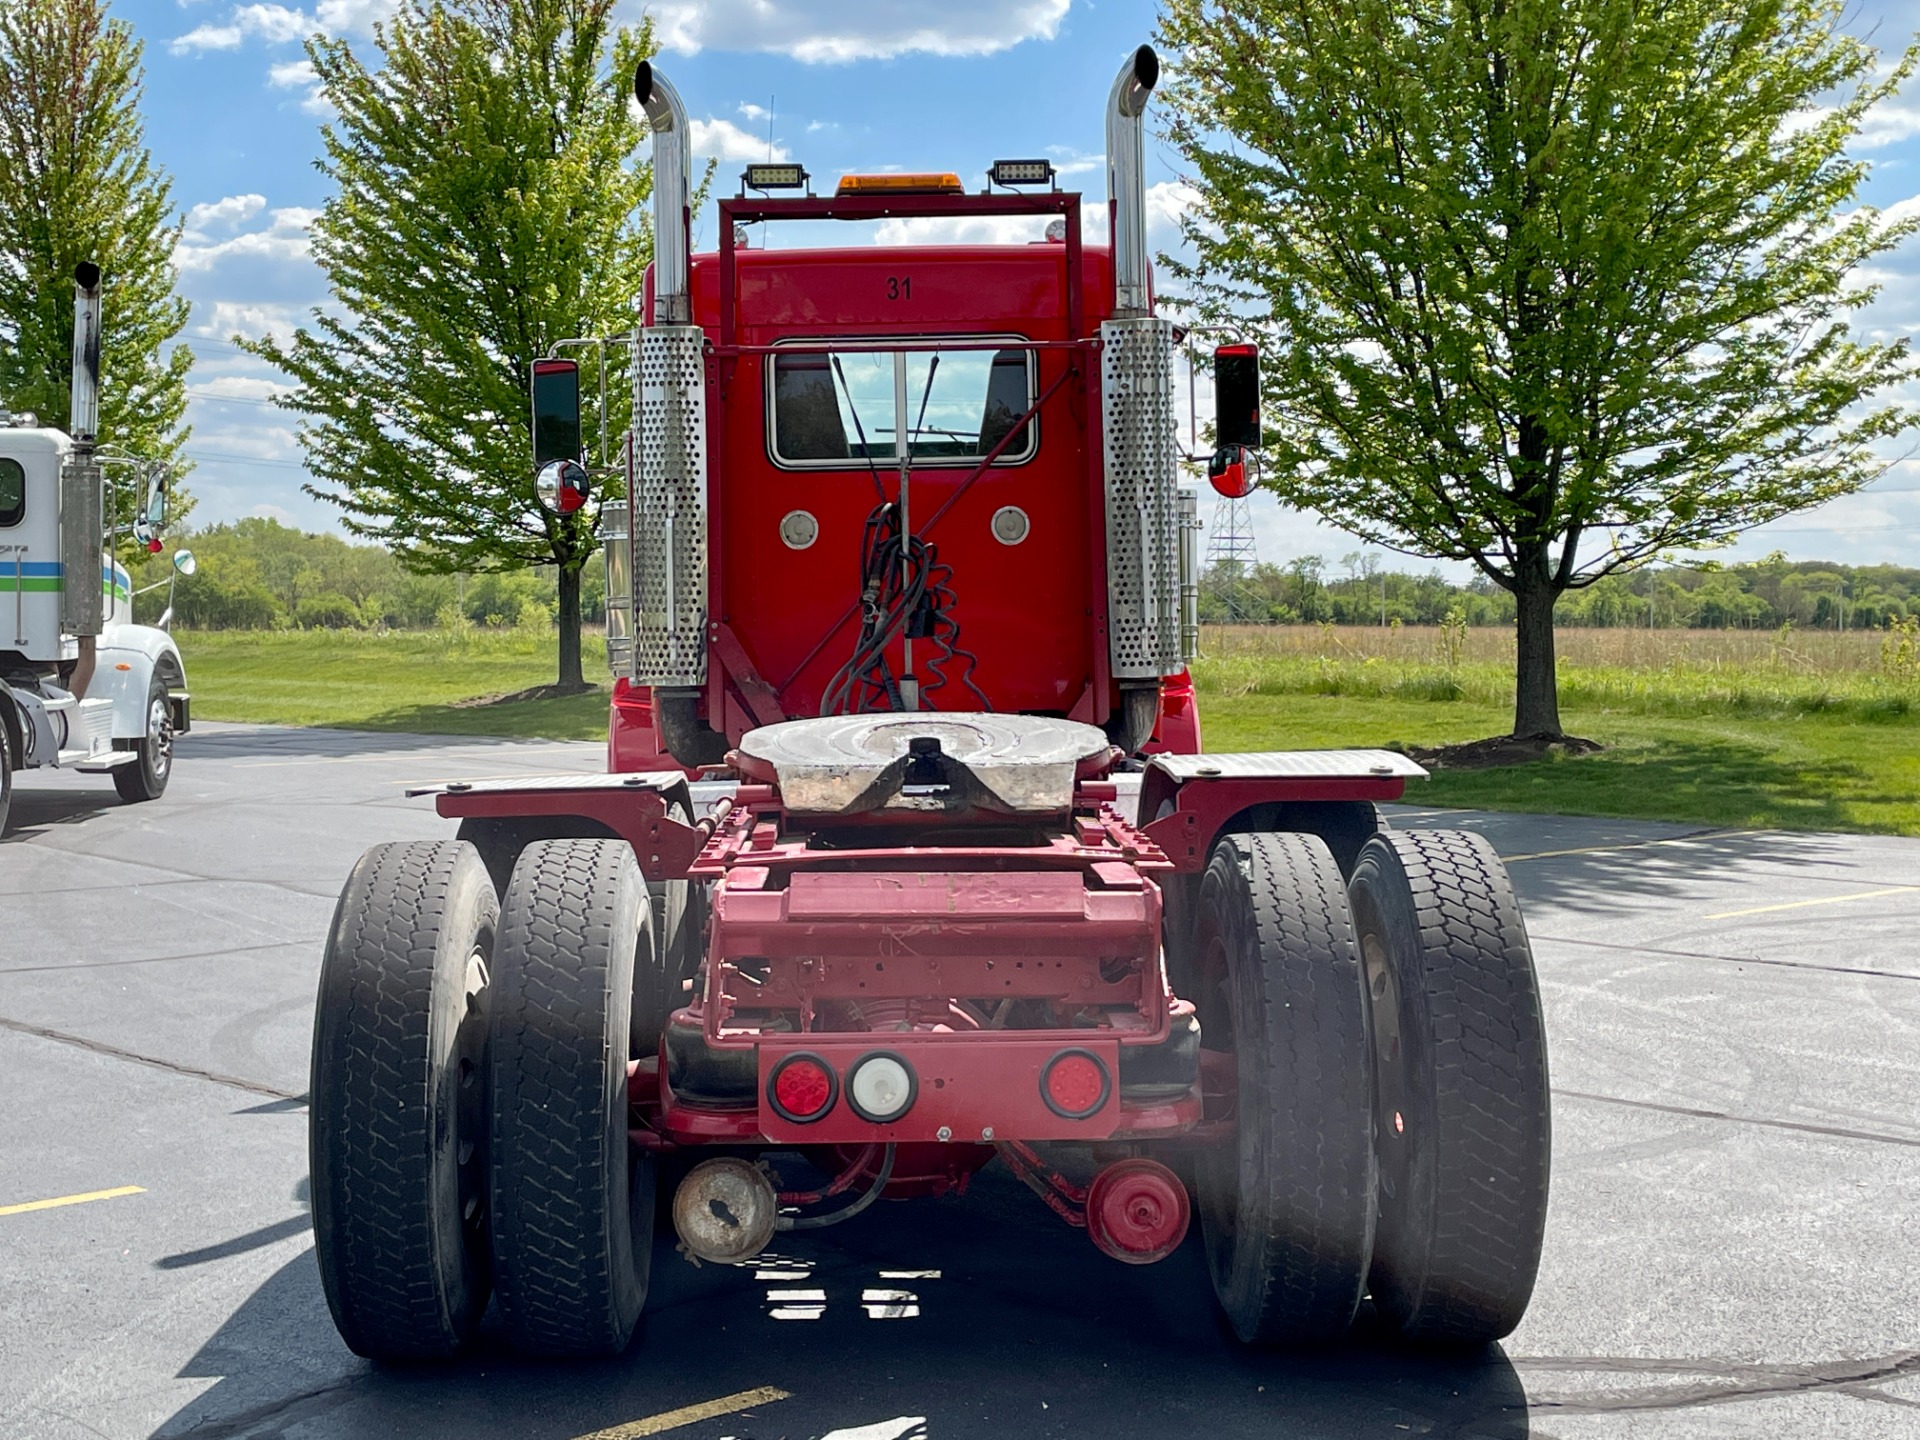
[1758, 595]
[258, 574]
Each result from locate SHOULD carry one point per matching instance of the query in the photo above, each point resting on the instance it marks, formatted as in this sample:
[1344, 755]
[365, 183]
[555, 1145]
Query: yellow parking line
[1602, 849]
[57, 1202]
[1827, 900]
[690, 1414]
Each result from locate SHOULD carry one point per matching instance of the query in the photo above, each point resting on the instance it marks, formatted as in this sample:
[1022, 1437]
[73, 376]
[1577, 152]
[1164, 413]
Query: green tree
[78, 183]
[1552, 286]
[488, 205]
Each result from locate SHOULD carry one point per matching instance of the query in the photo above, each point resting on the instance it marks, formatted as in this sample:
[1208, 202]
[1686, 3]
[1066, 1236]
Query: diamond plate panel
[1142, 452]
[670, 507]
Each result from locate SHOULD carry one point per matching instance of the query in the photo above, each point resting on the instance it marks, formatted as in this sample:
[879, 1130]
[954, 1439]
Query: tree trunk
[570, 676]
[1536, 691]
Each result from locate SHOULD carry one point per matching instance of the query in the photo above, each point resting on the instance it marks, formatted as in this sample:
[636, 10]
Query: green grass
[1741, 731]
[423, 682]
[1785, 745]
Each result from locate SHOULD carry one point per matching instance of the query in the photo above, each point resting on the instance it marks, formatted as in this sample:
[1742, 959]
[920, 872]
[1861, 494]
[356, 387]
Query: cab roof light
[1020, 172]
[919, 183]
[773, 177]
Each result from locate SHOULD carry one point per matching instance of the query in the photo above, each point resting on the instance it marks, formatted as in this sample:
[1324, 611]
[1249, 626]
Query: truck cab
[898, 478]
[82, 686]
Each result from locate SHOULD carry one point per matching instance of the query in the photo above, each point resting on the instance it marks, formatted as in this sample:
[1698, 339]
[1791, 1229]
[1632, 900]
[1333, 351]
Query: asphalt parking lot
[1733, 1246]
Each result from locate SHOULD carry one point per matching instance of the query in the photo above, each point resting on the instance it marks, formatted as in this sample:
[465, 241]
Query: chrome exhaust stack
[82, 497]
[1126, 178]
[83, 421]
[672, 198]
[668, 483]
[1138, 434]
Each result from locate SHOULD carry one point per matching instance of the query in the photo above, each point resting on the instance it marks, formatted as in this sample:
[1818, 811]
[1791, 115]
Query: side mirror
[1236, 396]
[153, 513]
[562, 486]
[184, 562]
[556, 411]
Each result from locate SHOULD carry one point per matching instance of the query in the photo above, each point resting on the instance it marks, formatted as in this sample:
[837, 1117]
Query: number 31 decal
[899, 287]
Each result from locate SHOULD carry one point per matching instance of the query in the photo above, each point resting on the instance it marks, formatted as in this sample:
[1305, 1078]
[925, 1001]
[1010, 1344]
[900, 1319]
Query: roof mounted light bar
[773, 177]
[915, 183]
[1011, 173]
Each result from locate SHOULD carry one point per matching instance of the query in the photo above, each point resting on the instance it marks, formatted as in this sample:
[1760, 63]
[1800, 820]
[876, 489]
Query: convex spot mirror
[1231, 471]
[556, 411]
[184, 562]
[562, 486]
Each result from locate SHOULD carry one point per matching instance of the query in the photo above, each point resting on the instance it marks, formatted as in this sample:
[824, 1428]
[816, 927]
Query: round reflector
[881, 1087]
[801, 1088]
[1075, 1084]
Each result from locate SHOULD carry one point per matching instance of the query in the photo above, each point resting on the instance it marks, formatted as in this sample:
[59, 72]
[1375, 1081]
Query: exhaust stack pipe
[83, 422]
[672, 218]
[1126, 179]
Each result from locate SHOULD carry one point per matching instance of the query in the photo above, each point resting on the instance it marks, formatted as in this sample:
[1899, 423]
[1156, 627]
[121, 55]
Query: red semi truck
[907, 860]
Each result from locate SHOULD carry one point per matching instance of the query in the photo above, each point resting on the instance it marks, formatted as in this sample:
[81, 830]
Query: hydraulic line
[820, 1222]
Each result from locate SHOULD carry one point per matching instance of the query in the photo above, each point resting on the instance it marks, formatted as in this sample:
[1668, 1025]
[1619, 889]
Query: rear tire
[1462, 1122]
[573, 1208]
[398, 1102]
[145, 776]
[1286, 1206]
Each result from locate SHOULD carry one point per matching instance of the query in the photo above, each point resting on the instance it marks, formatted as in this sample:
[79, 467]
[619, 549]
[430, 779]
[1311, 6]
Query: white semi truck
[81, 686]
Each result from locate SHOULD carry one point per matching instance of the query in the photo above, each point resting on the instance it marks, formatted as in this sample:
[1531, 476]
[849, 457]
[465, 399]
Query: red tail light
[1075, 1084]
[802, 1088]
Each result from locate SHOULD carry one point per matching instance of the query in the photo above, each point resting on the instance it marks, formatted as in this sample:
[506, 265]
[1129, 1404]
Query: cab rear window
[13, 493]
[835, 409]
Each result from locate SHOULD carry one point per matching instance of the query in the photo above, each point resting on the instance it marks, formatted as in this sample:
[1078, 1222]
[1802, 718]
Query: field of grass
[1719, 727]
[427, 682]
[1803, 731]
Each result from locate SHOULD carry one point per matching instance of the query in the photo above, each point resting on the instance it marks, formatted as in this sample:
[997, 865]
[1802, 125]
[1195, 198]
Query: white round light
[1010, 525]
[798, 529]
[881, 1088]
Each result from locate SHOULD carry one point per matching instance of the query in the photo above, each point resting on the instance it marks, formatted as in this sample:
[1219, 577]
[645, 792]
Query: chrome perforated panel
[1190, 528]
[670, 507]
[82, 536]
[1143, 514]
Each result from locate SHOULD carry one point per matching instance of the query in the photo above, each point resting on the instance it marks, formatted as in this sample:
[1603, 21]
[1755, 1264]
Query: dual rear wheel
[1391, 1130]
[469, 1100]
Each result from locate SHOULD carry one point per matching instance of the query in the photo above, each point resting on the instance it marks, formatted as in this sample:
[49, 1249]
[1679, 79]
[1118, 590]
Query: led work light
[1021, 172]
[773, 177]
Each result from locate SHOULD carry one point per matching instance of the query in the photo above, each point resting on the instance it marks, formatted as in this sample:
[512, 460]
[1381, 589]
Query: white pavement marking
[906, 1427]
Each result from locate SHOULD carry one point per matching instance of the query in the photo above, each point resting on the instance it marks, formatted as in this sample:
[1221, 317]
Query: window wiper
[866, 450]
[925, 395]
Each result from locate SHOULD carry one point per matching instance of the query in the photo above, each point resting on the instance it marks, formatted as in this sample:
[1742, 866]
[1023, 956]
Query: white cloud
[273, 512]
[223, 319]
[224, 214]
[208, 37]
[753, 111]
[832, 32]
[279, 24]
[284, 239]
[358, 16]
[724, 140]
[299, 75]
[962, 230]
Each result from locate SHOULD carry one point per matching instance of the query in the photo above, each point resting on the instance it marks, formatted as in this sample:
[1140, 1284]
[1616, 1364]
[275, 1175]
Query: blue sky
[851, 84]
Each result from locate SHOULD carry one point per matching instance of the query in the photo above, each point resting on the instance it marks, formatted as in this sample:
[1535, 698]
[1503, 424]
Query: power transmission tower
[1231, 558]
